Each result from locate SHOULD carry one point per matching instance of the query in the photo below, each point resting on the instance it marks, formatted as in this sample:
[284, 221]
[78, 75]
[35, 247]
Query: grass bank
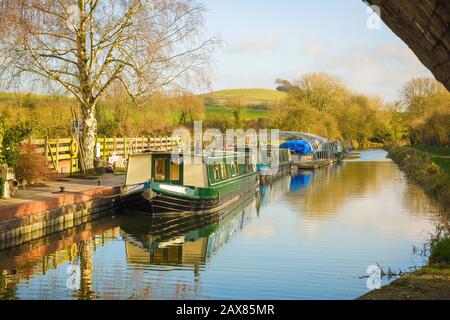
[429, 172]
[428, 283]
[432, 282]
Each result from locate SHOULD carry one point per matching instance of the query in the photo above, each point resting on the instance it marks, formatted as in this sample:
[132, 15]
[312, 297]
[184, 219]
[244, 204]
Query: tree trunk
[86, 291]
[89, 122]
[88, 133]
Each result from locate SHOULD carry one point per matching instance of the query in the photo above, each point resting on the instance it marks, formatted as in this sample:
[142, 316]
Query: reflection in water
[301, 181]
[307, 236]
[86, 266]
[271, 192]
[359, 185]
[191, 245]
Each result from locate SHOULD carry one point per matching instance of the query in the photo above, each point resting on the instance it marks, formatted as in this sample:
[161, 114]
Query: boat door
[166, 170]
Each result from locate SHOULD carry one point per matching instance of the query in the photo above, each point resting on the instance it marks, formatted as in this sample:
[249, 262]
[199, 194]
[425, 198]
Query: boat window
[247, 164]
[233, 169]
[175, 171]
[160, 169]
[236, 166]
[223, 170]
[216, 172]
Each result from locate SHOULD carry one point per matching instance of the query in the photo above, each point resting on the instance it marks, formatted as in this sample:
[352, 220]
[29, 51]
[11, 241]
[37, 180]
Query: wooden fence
[62, 154]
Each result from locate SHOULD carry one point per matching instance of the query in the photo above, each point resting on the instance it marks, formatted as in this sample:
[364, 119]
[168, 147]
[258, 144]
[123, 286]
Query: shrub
[215, 121]
[440, 252]
[31, 167]
[11, 141]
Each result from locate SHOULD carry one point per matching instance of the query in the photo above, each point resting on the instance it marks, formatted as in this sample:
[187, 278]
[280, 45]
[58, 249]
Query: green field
[439, 155]
[255, 103]
[247, 113]
[247, 97]
[442, 151]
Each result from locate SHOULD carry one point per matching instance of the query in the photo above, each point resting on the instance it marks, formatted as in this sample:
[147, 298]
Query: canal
[309, 236]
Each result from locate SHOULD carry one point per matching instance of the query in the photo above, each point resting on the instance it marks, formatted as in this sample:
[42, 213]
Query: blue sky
[268, 39]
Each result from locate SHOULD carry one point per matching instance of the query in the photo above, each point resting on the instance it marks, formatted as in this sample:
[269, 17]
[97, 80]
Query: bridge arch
[425, 27]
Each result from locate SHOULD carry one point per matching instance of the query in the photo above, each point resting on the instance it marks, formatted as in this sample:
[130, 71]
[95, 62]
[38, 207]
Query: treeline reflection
[324, 193]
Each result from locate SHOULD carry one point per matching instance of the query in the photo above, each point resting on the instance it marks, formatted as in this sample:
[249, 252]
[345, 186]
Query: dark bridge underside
[424, 26]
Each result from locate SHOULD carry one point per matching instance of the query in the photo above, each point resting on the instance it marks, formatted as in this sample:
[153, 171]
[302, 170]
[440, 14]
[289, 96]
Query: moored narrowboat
[158, 182]
[274, 161]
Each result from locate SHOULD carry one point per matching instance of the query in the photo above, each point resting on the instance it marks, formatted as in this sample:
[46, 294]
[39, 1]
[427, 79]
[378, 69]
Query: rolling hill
[256, 102]
[250, 98]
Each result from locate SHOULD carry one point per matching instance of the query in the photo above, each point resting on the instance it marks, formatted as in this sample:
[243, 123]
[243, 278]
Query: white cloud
[253, 44]
[312, 46]
[378, 70]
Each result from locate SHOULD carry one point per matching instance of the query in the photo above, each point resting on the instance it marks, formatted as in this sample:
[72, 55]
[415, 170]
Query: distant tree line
[316, 103]
[426, 111]
[320, 103]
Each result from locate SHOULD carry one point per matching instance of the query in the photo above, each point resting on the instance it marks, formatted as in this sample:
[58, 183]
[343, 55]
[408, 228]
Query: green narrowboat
[159, 182]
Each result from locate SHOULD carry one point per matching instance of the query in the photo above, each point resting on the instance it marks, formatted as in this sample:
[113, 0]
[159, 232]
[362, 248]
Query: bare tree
[86, 45]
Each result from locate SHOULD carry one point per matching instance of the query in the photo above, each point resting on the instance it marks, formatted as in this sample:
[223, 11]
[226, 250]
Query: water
[310, 236]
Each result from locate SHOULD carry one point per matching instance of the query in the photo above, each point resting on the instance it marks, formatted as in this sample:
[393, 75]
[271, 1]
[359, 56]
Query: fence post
[125, 147]
[46, 151]
[71, 156]
[57, 154]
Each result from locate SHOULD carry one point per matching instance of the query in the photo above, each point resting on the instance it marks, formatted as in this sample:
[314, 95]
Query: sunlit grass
[247, 113]
[442, 151]
[247, 97]
[432, 174]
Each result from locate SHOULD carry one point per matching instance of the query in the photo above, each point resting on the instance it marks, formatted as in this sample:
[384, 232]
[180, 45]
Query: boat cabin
[194, 170]
[274, 156]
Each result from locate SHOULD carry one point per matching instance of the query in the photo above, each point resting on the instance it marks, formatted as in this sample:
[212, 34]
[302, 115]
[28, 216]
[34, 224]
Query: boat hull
[203, 200]
[268, 174]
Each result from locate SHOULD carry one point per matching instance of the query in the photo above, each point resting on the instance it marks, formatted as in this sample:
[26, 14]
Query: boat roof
[204, 154]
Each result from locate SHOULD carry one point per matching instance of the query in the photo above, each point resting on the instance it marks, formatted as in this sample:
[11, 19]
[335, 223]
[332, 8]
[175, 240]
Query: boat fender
[148, 194]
